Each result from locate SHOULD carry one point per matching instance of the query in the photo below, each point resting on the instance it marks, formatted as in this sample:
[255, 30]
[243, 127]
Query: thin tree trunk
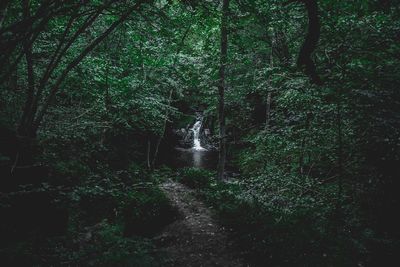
[3, 11]
[268, 105]
[339, 150]
[268, 111]
[22, 129]
[107, 105]
[339, 211]
[303, 143]
[149, 164]
[301, 157]
[221, 89]
[153, 162]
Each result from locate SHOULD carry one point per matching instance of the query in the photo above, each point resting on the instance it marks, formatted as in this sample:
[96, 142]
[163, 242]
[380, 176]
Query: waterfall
[196, 136]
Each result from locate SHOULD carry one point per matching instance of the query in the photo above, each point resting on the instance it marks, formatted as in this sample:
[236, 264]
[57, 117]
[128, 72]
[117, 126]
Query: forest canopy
[282, 117]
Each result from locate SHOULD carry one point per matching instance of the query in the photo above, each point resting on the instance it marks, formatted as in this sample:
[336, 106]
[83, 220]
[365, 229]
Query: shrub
[146, 212]
[116, 250]
[277, 225]
[195, 178]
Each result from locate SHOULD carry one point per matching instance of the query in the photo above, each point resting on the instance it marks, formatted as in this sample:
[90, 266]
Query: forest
[199, 133]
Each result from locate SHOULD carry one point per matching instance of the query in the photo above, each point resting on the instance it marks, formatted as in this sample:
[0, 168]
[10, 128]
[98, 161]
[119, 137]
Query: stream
[195, 156]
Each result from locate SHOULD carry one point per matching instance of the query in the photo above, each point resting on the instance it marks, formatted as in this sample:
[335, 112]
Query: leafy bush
[146, 212]
[277, 224]
[162, 174]
[195, 177]
[94, 203]
[123, 251]
[102, 244]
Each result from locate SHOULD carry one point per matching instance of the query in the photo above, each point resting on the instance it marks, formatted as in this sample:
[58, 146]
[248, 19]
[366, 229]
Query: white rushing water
[196, 136]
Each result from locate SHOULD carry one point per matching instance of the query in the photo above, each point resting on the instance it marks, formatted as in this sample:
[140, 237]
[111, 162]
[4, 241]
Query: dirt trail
[195, 239]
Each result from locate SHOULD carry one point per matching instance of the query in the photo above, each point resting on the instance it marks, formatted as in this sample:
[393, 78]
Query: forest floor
[196, 238]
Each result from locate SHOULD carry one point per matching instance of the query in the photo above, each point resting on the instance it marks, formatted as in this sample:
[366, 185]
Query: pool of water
[190, 157]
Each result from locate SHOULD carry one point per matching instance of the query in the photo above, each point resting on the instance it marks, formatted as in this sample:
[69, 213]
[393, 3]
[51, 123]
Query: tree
[41, 93]
[221, 89]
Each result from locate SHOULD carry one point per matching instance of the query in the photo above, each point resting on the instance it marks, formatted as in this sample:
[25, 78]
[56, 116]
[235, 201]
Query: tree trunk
[221, 90]
[268, 111]
[311, 42]
[3, 11]
[23, 128]
[158, 143]
[268, 104]
[339, 149]
[107, 105]
[339, 219]
[149, 165]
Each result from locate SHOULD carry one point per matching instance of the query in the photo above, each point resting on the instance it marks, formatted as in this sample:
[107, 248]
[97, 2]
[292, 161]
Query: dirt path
[195, 239]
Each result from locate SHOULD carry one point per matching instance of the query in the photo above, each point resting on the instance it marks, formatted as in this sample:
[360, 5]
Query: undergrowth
[106, 219]
[283, 220]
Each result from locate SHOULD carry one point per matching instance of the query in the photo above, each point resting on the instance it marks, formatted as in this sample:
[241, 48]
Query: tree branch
[57, 58]
[76, 61]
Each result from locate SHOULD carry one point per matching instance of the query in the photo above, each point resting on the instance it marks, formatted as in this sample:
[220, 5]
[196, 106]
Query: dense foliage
[91, 93]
